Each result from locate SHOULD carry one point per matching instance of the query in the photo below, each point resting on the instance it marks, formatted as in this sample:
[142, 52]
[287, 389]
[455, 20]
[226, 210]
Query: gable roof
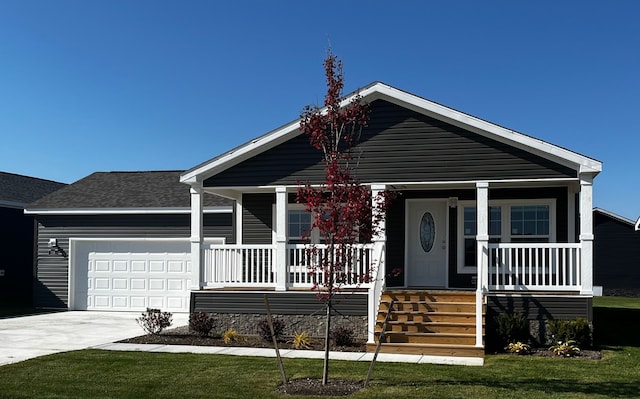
[125, 192]
[614, 216]
[18, 190]
[378, 90]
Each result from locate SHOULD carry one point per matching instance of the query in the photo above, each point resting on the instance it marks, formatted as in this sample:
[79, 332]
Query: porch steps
[436, 323]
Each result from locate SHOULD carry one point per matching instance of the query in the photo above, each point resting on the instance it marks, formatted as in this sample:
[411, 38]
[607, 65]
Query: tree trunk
[325, 369]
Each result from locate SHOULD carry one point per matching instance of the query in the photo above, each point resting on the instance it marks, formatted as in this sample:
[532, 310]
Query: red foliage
[342, 207]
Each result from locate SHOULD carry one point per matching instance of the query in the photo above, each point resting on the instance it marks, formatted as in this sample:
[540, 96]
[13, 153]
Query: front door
[426, 243]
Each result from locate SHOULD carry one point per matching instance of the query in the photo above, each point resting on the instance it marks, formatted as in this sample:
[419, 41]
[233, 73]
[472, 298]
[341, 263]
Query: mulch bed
[181, 336]
[311, 386]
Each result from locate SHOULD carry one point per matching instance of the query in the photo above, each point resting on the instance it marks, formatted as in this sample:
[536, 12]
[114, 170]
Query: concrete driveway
[26, 337]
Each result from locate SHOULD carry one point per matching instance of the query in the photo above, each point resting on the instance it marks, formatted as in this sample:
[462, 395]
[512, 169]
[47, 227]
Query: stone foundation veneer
[313, 324]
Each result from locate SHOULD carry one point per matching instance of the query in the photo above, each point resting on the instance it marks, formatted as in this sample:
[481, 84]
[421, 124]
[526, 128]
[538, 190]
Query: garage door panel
[137, 280]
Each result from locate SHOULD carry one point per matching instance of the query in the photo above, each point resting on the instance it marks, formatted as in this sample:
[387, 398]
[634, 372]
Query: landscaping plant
[201, 323]
[565, 349]
[343, 336]
[301, 340]
[265, 331]
[519, 348]
[153, 321]
[232, 336]
[512, 327]
[578, 331]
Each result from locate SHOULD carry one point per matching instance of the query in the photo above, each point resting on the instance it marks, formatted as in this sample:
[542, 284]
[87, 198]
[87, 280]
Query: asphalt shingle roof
[104, 190]
[21, 190]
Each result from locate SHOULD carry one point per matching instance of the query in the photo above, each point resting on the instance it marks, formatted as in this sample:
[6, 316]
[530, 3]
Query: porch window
[298, 225]
[530, 223]
[470, 231]
[514, 221]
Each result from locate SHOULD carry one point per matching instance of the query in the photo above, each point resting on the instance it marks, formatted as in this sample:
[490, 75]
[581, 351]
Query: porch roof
[378, 90]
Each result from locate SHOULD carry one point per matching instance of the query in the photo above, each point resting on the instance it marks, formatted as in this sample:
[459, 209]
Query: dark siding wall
[616, 255]
[51, 285]
[538, 310]
[257, 218]
[399, 145]
[17, 232]
[286, 303]
[396, 225]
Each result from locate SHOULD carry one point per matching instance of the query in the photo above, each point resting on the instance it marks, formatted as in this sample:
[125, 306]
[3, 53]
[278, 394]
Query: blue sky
[91, 86]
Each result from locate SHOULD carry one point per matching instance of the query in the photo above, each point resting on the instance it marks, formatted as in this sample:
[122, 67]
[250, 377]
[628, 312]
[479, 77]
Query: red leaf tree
[344, 212]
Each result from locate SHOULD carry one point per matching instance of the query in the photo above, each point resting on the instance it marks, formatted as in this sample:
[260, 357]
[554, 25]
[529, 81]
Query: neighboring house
[121, 241]
[616, 254]
[512, 225]
[17, 234]
[638, 224]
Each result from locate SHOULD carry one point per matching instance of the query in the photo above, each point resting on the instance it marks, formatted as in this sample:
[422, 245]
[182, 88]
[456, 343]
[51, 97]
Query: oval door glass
[427, 231]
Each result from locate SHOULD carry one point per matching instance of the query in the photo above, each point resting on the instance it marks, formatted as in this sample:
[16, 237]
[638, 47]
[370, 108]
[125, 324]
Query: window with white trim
[298, 225]
[509, 221]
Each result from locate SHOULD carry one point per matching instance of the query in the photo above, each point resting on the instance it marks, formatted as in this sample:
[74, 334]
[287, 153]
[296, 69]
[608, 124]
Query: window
[509, 221]
[470, 231]
[298, 225]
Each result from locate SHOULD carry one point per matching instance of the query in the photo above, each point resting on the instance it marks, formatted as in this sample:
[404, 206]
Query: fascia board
[561, 155]
[123, 211]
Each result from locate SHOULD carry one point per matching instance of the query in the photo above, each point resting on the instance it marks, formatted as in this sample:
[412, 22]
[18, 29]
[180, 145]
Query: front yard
[102, 374]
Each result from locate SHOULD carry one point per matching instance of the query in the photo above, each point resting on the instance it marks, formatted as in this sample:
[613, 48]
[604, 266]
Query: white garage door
[136, 281]
[130, 274]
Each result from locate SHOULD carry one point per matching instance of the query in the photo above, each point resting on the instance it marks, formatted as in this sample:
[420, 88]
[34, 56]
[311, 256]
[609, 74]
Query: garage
[130, 274]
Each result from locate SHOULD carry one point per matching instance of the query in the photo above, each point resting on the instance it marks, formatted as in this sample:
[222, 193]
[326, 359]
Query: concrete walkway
[27, 337]
[292, 353]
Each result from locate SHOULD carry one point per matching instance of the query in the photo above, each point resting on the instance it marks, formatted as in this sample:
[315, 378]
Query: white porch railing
[534, 267]
[303, 272]
[239, 265]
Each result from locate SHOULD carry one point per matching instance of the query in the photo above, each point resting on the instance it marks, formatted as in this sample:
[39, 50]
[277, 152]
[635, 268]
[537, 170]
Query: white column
[379, 240]
[238, 219]
[196, 236]
[281, 238]
[586, 233]
[482, 239]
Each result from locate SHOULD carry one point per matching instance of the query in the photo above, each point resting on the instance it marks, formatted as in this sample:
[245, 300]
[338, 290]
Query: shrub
[201, 323]
[153, 321]
[265, 331]
[565, 349]
[301, 340]
[512, 327]
[343, 336]
[519, 348]
[231, 336]
[578, 331]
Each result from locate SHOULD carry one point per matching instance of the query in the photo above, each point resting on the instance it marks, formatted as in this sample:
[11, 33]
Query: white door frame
[407, 270]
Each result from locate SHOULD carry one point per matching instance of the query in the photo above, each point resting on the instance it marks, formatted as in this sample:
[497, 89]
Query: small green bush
[577, 331]
[512, 327]
[201, 323]
[153, 321]
[343, 336]
[265, 331]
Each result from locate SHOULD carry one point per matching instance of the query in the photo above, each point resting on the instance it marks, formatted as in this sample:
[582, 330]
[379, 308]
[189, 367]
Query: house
[616, 254]
[17, 234]
[120, 241]
[512, 227]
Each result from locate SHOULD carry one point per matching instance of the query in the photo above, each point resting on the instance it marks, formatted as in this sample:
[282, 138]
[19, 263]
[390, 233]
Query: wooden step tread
[420, 334]
[427, 303]
[430, 323]
[419, 312]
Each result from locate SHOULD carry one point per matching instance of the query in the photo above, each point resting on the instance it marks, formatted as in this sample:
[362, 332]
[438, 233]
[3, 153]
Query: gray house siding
[52, 274]
[616, 252]
[398, 145]
[257, 218]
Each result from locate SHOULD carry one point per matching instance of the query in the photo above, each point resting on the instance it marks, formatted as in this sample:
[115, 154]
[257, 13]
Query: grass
[103, 374]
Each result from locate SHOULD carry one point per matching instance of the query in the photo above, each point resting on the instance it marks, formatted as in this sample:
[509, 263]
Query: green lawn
[103, 374]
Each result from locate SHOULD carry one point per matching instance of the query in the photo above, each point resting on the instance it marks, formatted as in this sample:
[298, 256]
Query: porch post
[281, 239]
[586, 233]
[482, 239]
[196, 236]
[378, 240]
